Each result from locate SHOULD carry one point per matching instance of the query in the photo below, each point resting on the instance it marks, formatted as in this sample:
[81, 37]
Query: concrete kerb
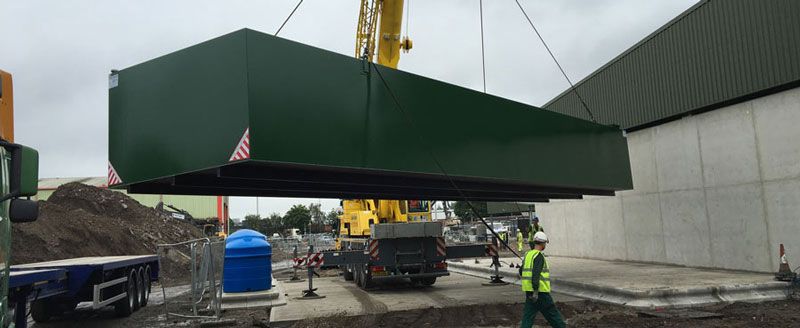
[653, 298]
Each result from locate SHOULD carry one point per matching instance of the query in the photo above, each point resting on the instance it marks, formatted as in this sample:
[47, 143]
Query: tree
[254, 222]
[332, 218]
[232, 227]
[298, 217]
[463, 211]
[317, 216]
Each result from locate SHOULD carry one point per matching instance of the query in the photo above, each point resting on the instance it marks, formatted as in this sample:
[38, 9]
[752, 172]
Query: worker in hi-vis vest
[534, 228]
[536, 284]
[520, 241]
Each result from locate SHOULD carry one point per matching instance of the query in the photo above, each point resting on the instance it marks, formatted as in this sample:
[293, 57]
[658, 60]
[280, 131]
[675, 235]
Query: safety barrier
[202, 260]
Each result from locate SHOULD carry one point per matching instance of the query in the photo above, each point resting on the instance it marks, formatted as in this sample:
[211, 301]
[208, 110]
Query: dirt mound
[80, 220]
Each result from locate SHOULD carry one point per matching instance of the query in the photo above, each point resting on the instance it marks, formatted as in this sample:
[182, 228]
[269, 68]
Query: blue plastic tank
[248, 262]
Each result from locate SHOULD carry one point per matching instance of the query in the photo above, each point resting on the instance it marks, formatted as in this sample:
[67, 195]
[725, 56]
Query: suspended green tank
[251, 114]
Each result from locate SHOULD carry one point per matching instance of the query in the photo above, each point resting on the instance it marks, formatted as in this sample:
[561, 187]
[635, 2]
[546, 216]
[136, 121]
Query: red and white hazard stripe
[441, 247]
[242, 150]
[299, 261]
[113, 177]
[312, 260]
[373, 250]
[316, 259]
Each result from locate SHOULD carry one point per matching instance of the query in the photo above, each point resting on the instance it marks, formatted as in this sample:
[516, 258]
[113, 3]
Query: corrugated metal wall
[718, 51]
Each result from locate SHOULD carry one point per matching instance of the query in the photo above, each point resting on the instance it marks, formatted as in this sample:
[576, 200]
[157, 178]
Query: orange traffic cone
[784, 271]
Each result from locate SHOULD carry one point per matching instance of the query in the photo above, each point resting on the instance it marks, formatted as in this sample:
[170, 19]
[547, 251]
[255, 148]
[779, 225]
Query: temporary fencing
[201, 261]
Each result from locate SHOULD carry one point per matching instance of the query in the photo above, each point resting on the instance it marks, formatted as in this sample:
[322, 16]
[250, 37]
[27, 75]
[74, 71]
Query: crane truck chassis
[414, 250]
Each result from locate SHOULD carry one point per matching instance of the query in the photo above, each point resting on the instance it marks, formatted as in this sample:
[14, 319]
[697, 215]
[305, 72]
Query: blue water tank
[248, 262]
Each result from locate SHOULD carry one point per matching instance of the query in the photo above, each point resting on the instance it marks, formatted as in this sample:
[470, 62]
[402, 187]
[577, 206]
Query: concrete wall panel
[776, 120]
[643, 230]
[643, 167]
[719, 189]
[608, 229]
[678, 155]
[727, 142]
[555, 224]
[738, 229]
[782, 199]
[686, 236]
[579, 228]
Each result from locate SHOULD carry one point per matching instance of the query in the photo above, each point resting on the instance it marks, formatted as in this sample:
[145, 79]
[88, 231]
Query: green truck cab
[19, 175]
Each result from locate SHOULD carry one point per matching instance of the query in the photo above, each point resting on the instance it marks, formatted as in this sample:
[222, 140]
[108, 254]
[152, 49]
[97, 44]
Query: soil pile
[80, 220]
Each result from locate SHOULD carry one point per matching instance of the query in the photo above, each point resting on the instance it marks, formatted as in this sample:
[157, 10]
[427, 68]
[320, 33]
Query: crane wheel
[365, 278]
[429, 281]
[347, 273]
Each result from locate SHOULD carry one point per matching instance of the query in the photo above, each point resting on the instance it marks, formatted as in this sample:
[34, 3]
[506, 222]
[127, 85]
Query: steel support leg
[496, 279]
[295, 277]
[309, 294]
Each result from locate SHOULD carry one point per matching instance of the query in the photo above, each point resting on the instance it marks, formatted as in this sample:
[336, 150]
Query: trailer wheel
[147, 285]
[127, 305]
[142, 287]
[347, 273]
[137, 295]
[41, 311]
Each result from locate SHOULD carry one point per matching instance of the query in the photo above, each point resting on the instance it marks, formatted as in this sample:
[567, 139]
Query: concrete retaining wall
[720, 189]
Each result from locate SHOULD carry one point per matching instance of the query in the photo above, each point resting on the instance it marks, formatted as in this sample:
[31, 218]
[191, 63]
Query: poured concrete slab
[345, 298]
[644, 285]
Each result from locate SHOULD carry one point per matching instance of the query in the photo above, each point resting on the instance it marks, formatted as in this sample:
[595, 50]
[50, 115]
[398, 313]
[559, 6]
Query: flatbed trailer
[55, 287]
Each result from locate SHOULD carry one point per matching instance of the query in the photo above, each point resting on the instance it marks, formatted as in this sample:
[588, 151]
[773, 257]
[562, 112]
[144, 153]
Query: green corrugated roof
[716, 53]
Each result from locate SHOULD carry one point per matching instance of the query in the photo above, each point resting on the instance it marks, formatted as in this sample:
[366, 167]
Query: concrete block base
[262, 298]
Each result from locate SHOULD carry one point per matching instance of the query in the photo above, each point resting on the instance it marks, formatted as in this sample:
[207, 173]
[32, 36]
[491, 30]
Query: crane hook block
[406, 44]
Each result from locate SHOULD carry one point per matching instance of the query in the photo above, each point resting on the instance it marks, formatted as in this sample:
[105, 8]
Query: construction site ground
[455, 301]
[643, 285]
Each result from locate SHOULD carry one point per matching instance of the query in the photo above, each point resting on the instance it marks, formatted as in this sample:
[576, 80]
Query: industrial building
[710, 103]
[198, 206]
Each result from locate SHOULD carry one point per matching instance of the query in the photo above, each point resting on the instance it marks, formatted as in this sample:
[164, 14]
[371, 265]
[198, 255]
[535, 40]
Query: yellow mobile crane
[359, 214]
[381, 238]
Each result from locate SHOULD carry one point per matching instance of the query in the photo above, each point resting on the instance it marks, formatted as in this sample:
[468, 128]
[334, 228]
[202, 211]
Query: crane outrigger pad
[249, 114]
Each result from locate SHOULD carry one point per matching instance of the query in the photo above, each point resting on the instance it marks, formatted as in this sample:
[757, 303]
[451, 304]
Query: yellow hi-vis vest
[532, 231]
[527, 273]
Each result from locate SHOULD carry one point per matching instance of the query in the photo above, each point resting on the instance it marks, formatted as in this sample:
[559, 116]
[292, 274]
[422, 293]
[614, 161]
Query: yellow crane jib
[359, 214]
[389, 14]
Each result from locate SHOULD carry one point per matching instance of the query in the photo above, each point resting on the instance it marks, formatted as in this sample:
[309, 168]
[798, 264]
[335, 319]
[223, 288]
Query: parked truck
[392, 239]
[52, 288]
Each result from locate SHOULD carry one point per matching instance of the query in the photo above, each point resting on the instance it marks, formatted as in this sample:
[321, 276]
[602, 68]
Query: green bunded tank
[250, 114]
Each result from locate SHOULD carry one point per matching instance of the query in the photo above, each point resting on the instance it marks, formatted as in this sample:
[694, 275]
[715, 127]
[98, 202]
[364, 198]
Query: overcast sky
[61, 52]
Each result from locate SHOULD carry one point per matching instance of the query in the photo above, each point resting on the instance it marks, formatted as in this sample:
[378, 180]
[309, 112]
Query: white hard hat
[540, 237]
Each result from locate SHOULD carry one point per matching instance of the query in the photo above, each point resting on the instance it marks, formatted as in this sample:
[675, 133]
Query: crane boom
[390, 43]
